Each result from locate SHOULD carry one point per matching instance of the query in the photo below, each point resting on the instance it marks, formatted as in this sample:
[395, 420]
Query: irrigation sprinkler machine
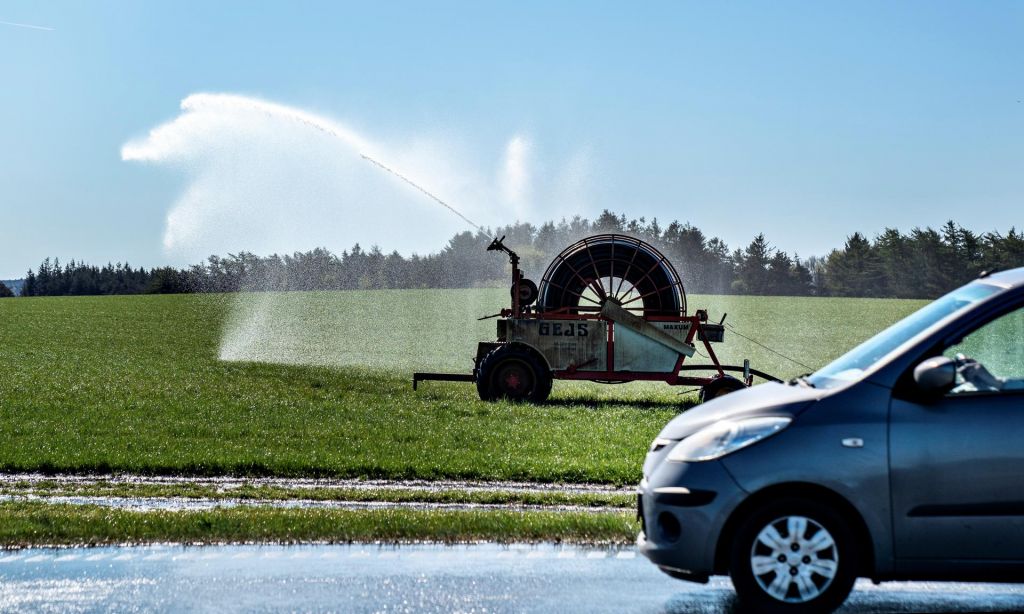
[610, 309]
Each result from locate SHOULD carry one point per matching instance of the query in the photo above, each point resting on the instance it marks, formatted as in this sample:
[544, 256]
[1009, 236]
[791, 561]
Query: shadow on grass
[682, 405]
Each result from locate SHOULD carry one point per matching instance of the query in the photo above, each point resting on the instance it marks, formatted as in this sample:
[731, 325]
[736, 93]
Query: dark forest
[923, 263]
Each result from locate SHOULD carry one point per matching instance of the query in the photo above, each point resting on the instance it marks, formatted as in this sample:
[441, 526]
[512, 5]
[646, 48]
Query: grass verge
[276, 493]
[37, 524]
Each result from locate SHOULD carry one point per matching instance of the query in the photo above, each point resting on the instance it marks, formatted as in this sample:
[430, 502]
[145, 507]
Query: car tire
[795, 556]
[720, 386]
[513, 372]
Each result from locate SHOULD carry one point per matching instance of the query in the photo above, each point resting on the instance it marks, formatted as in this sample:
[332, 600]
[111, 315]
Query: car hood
[771, 398]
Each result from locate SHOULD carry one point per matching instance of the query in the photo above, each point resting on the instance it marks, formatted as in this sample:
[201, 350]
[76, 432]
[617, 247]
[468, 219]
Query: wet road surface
[193, 504]
[425, 578]
[226, 483]
[25, 487]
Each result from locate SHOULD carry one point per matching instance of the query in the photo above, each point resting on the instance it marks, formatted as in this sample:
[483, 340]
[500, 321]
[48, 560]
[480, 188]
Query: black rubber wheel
[513, 372]
[793, 555]
[720, 386]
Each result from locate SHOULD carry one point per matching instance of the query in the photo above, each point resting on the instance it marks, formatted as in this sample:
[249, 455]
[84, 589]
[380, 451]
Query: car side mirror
[936, 376]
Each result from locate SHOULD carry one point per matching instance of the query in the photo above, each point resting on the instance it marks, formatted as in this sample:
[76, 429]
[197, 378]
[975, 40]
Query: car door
[957, 463]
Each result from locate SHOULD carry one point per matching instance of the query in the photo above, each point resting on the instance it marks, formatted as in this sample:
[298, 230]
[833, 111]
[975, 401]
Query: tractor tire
[794, 555]
[720, 386]
[513, 372]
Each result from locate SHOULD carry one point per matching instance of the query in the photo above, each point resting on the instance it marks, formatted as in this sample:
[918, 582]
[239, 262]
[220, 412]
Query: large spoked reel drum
[619, 268]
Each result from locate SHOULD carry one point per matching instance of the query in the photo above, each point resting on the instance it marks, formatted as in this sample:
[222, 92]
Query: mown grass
[29, 524]
[135, 384]
[276, 493]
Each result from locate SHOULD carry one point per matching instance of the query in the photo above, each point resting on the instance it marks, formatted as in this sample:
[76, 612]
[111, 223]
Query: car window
[852, 365]
[991, 359]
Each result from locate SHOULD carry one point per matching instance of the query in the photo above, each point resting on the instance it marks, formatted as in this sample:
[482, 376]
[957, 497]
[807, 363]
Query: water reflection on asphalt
[421, 578]
[194, 504]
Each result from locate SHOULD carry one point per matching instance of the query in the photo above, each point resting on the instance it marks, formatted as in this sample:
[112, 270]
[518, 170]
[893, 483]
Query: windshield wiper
[801, 380]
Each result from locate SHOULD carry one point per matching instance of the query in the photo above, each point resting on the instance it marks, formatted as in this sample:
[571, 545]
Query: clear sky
[805, 121]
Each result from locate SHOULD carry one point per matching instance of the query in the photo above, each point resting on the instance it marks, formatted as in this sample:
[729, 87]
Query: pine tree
[856, 270]
[779, 279]
[608, 222]
[30, 287]
[801, 279]
[752, 267]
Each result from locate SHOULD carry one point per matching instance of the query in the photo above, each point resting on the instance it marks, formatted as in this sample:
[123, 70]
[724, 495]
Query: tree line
[923, 263]
[79, 279]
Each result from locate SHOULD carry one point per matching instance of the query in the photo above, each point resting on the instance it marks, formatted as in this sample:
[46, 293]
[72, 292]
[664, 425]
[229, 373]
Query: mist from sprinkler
[270, 178]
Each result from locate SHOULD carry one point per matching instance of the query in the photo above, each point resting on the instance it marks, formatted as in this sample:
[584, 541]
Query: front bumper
[682, 509]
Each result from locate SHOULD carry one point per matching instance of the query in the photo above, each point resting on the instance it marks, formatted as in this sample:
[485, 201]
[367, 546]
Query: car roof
[1012, 278]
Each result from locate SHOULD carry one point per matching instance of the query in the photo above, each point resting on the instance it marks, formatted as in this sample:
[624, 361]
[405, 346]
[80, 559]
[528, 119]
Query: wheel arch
[804, 490]
[520, 345]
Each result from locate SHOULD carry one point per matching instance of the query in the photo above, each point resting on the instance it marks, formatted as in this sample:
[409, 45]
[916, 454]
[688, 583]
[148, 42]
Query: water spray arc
[257, 174]
[421, 189]
[275, 110]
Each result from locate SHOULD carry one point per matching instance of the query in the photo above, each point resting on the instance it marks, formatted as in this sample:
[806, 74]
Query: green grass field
[135, 384]
[44, 524]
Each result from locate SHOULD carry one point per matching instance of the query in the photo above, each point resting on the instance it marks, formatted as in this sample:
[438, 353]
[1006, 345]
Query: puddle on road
[229, 482]
[184, 504]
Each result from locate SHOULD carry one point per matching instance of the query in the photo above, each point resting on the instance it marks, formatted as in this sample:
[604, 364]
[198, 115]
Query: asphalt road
[479, 578]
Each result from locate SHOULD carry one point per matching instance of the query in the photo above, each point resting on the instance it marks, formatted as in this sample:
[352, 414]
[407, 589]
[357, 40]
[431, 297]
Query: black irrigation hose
[733, 369]
[689, 390]
[758, 343]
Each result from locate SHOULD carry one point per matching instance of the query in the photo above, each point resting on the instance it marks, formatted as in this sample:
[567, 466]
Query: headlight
[725, 437]
[659, 443]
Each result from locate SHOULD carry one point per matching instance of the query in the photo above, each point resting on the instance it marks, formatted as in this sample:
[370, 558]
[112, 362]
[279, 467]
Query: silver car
[903, 459]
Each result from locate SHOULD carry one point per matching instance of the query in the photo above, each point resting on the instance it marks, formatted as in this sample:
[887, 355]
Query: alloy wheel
[794, 559]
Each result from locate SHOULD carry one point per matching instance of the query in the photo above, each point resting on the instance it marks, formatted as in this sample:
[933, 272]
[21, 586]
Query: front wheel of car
[793, 555]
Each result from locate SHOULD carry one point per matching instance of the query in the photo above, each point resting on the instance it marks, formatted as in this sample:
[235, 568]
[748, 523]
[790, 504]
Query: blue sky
[805, 121]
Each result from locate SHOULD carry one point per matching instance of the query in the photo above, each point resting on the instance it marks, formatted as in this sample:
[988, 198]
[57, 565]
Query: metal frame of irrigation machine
[610, 309]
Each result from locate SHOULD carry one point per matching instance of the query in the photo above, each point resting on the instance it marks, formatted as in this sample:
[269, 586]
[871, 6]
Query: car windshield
[851, 365]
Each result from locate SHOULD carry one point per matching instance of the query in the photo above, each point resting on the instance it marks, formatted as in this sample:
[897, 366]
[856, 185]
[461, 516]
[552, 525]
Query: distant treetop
[922, 264]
